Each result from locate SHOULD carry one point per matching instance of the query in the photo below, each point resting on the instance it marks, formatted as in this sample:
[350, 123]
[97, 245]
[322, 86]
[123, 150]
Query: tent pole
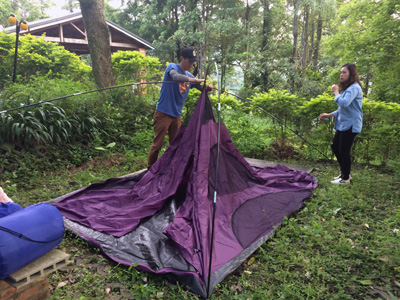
[216, 184]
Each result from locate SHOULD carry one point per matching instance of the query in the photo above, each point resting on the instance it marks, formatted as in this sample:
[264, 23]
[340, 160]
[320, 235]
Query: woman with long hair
[348, 119]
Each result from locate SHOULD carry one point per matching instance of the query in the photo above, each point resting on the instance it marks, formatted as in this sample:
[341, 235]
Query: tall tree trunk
[247, 20]
[175, 25]
[305, 39]
[311, 48]
[318, 42]
[295, 37]
[366, 84]
[99, 41]
[265, 39]
[203, 46]
[223, 71]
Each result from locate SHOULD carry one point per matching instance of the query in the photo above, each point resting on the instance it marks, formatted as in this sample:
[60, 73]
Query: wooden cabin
[69, 31]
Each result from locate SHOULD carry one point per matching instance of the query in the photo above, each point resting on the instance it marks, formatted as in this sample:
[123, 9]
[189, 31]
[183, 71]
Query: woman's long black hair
[353, 77]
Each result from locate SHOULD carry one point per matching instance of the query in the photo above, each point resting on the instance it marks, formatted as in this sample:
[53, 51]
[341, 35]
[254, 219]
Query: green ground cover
[344, 244]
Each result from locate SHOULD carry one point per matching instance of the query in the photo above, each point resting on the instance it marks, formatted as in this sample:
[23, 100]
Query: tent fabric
[161, 220]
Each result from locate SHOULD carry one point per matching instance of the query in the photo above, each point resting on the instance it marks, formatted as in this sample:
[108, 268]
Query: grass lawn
[344, 244]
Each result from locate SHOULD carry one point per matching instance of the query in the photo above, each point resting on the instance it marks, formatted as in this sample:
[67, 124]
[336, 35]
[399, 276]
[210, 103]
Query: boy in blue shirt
[167, 117]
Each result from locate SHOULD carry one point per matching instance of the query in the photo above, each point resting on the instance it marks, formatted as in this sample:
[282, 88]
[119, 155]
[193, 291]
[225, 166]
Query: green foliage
[280, 104]
[368, 33]
[251, 134]
[31, 11]
[190, 105]
[312, 84]
[228, 102]
[36, 127]
[48, 123]
[124, 114]
[318, 132]
[377, 143]
[37, 57]
[380, 138]
[310, 110]
[131, 66]
[156, 21]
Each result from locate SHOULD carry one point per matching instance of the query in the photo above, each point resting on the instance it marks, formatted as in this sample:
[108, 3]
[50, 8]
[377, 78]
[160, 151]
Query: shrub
[282, 106]
[37, 57]
[134, 66]
[380, 138]
[56, 122]
[317, 132]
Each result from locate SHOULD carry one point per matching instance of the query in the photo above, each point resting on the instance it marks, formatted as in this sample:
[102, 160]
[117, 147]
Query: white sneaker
[340, 181]
[340, 176]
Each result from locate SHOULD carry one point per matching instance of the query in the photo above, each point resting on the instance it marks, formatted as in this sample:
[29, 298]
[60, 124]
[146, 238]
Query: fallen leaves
[61, 284]
[251, 261]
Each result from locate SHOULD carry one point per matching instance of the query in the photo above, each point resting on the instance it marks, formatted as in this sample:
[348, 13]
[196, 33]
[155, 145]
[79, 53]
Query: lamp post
[19, 25]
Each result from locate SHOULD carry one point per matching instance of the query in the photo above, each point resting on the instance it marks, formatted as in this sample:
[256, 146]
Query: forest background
[276, 59]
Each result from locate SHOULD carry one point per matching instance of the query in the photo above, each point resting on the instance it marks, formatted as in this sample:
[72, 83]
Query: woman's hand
[335, 89]
[325, 116]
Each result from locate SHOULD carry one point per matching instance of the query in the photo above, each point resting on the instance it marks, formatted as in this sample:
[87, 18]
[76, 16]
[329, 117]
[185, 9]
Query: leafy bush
[131, 66]
[228, 102]
[122, 115]
[37, 57]
[251, 134]
[57, 122]
[318, 132]
[379, 140]
[282, 105]
[190, 105]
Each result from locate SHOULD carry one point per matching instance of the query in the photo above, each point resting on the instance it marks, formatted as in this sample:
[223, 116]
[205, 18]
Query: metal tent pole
[216, 184]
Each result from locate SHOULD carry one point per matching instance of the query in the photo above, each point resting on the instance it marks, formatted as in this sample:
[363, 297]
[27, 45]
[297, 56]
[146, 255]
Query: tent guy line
[280, 122]
[81, 93]
[155, 82]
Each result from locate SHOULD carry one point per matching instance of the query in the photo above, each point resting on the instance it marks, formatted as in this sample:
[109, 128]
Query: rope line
[158, 82]
[81, 93]
[280, 122]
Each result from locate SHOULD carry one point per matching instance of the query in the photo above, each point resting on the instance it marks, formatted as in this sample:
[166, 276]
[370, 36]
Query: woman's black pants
[341, 147]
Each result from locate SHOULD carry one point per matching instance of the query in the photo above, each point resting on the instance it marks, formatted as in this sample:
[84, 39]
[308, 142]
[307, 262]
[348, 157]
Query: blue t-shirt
[173, 95]
[349, 113]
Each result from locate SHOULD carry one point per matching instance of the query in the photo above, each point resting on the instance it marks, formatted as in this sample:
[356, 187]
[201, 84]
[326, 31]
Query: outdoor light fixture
[19, 25]
[23, 25]
[13, 19]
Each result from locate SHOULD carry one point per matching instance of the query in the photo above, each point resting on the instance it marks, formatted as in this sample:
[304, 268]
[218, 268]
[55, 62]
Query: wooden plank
[124, 45]
[48, 263]
[61, 33]
[77, 28]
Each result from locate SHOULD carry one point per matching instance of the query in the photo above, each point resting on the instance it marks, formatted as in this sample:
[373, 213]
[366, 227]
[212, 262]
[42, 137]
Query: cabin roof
[69, 31]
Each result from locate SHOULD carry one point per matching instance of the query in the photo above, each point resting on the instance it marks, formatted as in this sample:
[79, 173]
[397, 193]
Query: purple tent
[161, 220]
